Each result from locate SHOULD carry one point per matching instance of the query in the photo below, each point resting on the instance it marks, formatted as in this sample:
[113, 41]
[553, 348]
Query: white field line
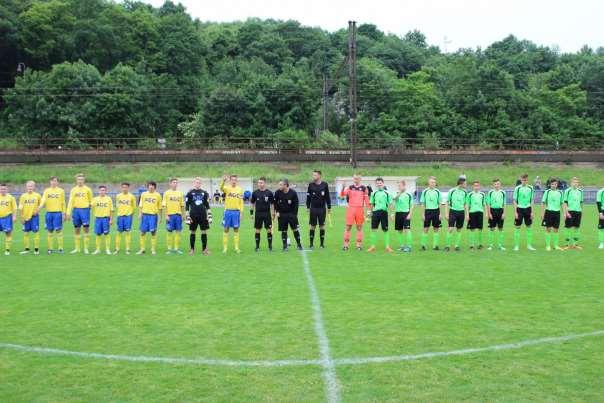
[329, 369]
[285, 363]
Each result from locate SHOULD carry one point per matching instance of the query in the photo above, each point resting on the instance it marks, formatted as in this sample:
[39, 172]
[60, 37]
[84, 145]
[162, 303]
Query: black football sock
[192, 241]
[322, 236]
[204, 241]
[297, 237]
[257, 237]
[312, 237]
[284, 239]
[269, 238]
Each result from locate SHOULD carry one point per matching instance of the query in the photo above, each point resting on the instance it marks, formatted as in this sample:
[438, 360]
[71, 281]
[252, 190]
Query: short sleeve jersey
[403, 203]
[476, 202]
[523, 196]
[457, 199]
[28, 204]
[574, 199]
[430, 198]
[495, 199]
[552, 199]
[380, 200]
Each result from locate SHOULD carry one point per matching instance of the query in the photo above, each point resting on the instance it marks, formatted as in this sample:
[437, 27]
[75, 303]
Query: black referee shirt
[317, 196]
[262, 200]
[286, 203]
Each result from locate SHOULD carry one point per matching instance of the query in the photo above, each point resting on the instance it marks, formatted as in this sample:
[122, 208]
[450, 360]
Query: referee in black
[286, 211]
[197, 207]
[318, 204]
[262, 204]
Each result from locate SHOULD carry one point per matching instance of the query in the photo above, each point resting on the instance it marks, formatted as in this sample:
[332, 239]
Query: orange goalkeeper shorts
[355, 216]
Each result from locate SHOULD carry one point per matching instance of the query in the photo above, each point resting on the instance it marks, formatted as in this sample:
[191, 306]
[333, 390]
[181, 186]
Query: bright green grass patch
[257, 307]
[299, 173]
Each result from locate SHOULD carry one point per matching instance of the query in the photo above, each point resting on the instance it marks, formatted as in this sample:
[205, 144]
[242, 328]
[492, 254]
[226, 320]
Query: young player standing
[286, 209]
[455, 211]
[53, 199]
[263, 209]
[233, 210]
[523, 212]
[126, 204]
[430, 202]
[551, 204]
[600, 204]
[380, 201]
[198, 215]
[149, 216]
[573, 207]
[318, 204]
[78, 211]
[174, 208]
[8, 216]
[357, 196]
[403, 207]
[102, 206]
[495, 202]
[28, 207]
[476, 204]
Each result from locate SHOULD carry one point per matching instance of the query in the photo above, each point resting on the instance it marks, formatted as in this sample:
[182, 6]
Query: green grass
[257, 307]
[446, 173]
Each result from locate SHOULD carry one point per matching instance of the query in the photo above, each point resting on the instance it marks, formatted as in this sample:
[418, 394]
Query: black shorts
[401, 222]
[200, 222]
[317, 217]
[263, 220]
[378, 218]
[456, 218]
[288, 220]
[574, 221]
[601, 223]
[524, 215]
[476, 220]
[551, 219]
[432, 218]
[497, 220]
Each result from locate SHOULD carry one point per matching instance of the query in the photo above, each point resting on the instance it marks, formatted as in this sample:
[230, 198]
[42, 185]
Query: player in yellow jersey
[78, 211]
[174, 209]
[150, 216]
[126, 204]
[8, 215]
[53, 199]
[28, 210]
[233, 211]
[102, 206]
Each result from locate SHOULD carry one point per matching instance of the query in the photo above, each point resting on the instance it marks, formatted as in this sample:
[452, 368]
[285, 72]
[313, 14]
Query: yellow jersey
[28, 204]
[233, 199]
[8, 205]
[102, 206]
[79, 197]
[126, 203]
[173, 202]
[150, 203]
[54, 200]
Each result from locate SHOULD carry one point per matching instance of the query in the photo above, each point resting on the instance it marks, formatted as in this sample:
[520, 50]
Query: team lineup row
[379, 204]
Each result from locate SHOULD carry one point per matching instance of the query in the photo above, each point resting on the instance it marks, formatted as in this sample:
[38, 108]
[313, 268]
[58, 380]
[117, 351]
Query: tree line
[76, 72]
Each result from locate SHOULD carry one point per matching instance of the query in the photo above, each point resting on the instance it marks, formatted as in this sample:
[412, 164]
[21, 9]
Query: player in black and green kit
[456, 213]
[495, 202]
[523, 211]
[476, 202]
[430, 202]
[600, 204]
[403, 207]
[573, 210]
[379, 201]
[551, 204]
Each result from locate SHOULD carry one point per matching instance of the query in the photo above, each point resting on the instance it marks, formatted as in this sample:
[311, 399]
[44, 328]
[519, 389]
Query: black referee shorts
[432, 218]
[497, 220]
[551, 219]
[574, 221]
[456, 218]
[288, 220]
[476, 220]
[199, 222]
[524, 215]
[401, 222]
[378, 218]
[263, 220]
[317, 217]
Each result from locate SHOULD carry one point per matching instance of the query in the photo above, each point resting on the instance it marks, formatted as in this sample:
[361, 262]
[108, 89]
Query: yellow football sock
[169, 236]
[8, 241]
[128, 238]
[236, 240]
[142, 242]
[86, 241]
[76, 240]
[118, 241]
[107, 242]
[177, 240]
[50, 240]
[26, 240]
[60, 239]
[225, 241]
[98, 242]
[37, 240]
[153, 242]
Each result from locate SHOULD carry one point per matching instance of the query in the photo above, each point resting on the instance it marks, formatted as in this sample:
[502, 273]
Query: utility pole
[325, 101]
[352, 89]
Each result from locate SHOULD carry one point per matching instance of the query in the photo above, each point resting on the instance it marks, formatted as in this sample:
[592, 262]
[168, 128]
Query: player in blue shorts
[8, 215]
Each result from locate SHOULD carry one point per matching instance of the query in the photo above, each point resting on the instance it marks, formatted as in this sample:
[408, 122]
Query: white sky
[569, 24]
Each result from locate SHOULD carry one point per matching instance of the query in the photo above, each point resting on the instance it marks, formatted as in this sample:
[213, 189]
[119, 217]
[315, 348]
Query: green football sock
[491, 238]
[448, 237]
[548, 239]
[436, 239]
[501, 237]
[601, 235]
[569, 237]
[373, 238]
[401, 239]
[529, 236]
[409, 238]
[479, 238]
[576, 236]
[386, 239]
[424, 239]
[472, 238]
[458, 239]
[517, 237]
[556, 238]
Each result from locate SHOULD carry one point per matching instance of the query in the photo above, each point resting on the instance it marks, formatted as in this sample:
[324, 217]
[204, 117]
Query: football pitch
[322, 325]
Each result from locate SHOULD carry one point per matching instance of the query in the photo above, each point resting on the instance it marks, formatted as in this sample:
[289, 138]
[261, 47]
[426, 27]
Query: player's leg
[577, 229]
[144, 228]
[295, 226]
[450, 229]
[118, 235]
[517, 227]
[98, 232]
[600, 232]
[77, 233]
[26, 237]
[169, 235]
[282, 223]
[436, 224]
[375, 223]
[311, 232]
[258, 221]
[268, 225]
[178, 234]
[555, 231]
[385, 229]
[348, 228]
[193, 224]
[8, 239]
[107, 231]
[424, 238]
[479, 228]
